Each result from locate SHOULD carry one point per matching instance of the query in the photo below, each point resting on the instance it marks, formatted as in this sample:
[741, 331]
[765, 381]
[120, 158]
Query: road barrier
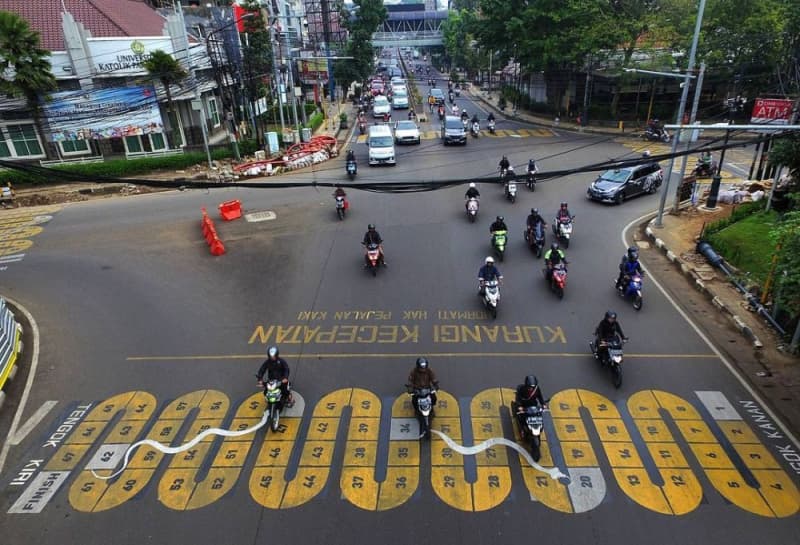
[230, 210]
[10, 346]
[210, 234]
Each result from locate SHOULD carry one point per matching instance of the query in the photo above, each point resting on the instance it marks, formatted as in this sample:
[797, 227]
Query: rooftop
[103, 18]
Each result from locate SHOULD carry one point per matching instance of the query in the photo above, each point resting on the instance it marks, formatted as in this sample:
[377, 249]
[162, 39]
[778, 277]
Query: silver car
[381, 106]
[406, 132]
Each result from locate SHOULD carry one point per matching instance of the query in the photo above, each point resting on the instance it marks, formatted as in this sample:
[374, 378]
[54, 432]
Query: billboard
[313, 70]
[772, 111]
[103, 113]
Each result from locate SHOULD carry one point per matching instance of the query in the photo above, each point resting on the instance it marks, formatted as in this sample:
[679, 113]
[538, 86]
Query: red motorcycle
[373, 258]
[557, 279]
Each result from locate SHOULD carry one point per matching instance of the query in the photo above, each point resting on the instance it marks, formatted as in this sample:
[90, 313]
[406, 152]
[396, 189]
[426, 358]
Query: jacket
[606, 330]
[630, 267]
[498, 226]
[422, 378]
[527, 398]
[489, 272]
[533, 219]
[472, 192]
[277, 369]
[556, 258]
[372, 237]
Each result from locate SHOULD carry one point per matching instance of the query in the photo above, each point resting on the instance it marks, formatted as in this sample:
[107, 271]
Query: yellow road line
[349, 355]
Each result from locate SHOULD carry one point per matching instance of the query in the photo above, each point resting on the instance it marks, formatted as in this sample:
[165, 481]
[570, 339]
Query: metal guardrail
[68, 161]
[159, 153]
[10, 345]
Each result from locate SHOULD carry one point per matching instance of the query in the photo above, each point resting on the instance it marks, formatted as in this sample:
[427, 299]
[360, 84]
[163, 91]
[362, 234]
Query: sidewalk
[762, 360]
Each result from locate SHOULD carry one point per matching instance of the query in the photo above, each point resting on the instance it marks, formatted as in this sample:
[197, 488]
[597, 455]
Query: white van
[381, 145]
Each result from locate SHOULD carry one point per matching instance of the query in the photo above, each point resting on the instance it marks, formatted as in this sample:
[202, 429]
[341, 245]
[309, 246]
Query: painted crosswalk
[499, 133]
[17, 228]
[666, 454]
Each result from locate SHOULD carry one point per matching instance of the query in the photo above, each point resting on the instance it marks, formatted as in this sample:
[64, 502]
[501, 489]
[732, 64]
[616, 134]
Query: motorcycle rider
[488, 273]
[373, 237]
[490, 117]
[533, 219]
[654, 126]
[464, 115]
[563, 213]
[528, 395]
[498, 225]
[339, 192]
[351, 156]
[472, 193]
[504, 164]
[629, 266]
[455, 109]
[412, 115]
[422, 376]
[275, 367]
[553, 257]
[607, 330]
[532, 168]
[475, 119]
[705, 163]
[440, 111]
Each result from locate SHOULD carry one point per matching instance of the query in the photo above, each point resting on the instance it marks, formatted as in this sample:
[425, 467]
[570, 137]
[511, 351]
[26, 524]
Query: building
[106, 104]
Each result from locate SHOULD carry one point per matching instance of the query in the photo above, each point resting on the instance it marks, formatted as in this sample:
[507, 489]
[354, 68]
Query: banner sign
[772, 111]
[103, 113]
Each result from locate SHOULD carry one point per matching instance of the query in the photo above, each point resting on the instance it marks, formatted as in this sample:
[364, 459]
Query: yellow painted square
[696, 431]
[711, 456]
[363, 429]
[67, 457]
[275, 453]
[612, 430]
[86, 433]
[199, 426]
[190, 458]
[164, 431]
[487, 404]
[570, 429]
[126, 431]
[737, 431]
[492, 456]
[232, 454]
[442, 455]
[578, 454]
[241, 424]
[484, 428]
[667, 455]
[287, 430]
[317, 453]
[323, 429]
[622, 455]
[403, 453]
[360, 453]
[565, 404]
[654, 430]
[756, 456]
[448, 426]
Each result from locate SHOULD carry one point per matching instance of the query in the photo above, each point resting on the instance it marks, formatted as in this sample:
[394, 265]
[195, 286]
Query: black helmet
[534, 211]
[563, 204]
[272, 352]
[611, 315]
[500, 218]
[531, 381]
[422, 362]
[554, 246]
[633, 253]
[371, 227]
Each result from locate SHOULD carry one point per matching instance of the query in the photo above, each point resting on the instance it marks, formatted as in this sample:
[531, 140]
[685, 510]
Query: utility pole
[585, 116]
[326, 32]
[681, 110]
[697, 90]
[275, 69]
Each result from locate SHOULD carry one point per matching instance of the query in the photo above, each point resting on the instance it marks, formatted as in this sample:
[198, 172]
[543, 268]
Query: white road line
[28, 384]
[5, 260]
[12, 256]
[734, 371]
[32, 422]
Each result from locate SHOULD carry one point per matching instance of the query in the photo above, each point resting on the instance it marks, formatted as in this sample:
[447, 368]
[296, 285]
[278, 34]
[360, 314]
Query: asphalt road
[144, 334]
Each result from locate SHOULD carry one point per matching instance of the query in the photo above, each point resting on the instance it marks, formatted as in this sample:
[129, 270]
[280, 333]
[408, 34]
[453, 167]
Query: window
[24, 140]
[5, 152]
[133, 144]
[177, 135]
[213, 113]
[145, 143]
[157, 140]
[76, 147]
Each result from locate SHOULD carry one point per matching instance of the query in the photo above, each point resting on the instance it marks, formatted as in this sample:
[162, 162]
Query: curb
[700, 284]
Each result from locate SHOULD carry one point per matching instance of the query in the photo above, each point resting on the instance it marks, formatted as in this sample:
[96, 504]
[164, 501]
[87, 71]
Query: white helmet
[472, 185]
[490, 260]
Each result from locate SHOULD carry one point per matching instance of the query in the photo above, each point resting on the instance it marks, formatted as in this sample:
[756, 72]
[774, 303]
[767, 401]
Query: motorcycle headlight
[617, 359]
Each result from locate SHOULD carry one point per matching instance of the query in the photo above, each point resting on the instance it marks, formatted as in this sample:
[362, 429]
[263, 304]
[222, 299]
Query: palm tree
[166, 69]
[25, 70]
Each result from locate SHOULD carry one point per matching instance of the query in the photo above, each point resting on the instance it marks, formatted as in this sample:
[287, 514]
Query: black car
[622, 183]
[453, 131]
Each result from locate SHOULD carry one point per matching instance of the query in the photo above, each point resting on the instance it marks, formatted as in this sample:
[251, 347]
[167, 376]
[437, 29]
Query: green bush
[738, 213]
[115, 168]
[316, 119]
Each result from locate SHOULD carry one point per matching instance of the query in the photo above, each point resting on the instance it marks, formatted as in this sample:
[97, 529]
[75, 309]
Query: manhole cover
[255, 217]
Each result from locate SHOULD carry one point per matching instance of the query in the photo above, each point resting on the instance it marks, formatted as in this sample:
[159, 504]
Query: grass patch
[746, 244]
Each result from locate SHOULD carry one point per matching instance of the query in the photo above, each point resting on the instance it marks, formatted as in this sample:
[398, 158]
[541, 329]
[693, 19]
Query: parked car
[381, 106]
[437, 94]
[623, 183]
[406, 132]
[453, 131]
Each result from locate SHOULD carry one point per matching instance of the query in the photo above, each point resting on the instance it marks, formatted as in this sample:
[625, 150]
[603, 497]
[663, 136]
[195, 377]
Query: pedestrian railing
[10, 344]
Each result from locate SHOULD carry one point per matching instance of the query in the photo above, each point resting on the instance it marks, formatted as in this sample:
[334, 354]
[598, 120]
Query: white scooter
[511, 186]
[476, 129]
[491, 126]
[472, 209]
[491, 296]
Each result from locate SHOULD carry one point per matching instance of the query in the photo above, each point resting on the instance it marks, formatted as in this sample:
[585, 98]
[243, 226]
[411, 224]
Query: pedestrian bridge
[411, 29]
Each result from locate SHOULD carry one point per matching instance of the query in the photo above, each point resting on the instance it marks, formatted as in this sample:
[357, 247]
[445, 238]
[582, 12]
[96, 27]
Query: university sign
[118, 57]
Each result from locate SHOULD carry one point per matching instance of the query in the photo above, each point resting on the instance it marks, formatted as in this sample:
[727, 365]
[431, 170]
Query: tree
[168, 71]
[786, 233]
[257, 56]
[457, 35]
[366, 17]
[25, 70]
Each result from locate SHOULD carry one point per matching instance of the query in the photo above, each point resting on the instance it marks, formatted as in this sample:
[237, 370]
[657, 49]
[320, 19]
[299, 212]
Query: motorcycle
[458, 92]
[532, 429]
[632, 289]
[352, 169]
[491, 296]
[441, 113]
[450, 98]
[609, 353]
[275, 402]
[511, 190]
[476, 128]
[491, 126]
[341, 207]
[422, 400]
[705, 170]
[557, 279]
[531, 181]
[656, 135]
[563, 231]
[465, 123]
[472, 209]
[499, 240]
[535, 238]
[362, 127]
[373, 258]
